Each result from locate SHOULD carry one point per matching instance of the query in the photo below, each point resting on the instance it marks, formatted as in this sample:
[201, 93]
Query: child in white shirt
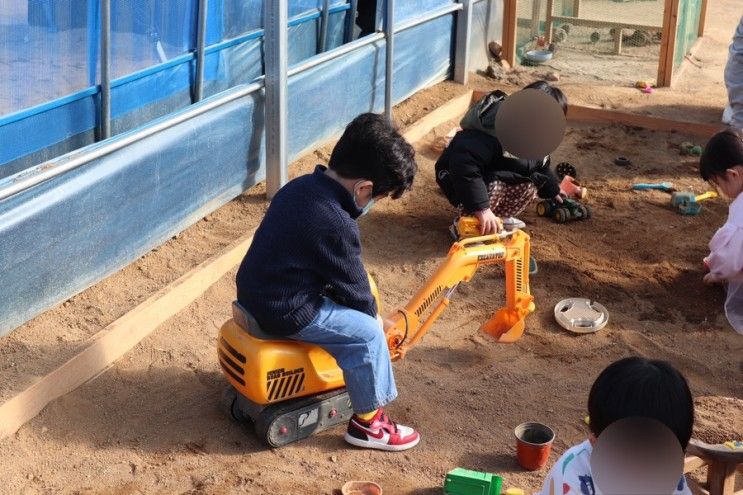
[630, 387]
[722, 165]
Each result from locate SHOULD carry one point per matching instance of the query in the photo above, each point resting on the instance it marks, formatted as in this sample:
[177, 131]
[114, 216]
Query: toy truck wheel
[561, 215]
[542, 208]
[565, 168]
[585, 213]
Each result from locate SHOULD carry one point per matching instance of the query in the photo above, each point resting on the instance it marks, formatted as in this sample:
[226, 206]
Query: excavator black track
[289, 421]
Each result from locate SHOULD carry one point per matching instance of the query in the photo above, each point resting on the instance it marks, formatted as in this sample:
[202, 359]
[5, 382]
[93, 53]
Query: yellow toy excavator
[290, 389]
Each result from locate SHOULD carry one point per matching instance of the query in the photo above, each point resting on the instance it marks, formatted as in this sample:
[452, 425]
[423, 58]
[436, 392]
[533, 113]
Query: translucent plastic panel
[331, 94]
[688, 29]
[148, 32]
[410, 9]
[239, 64]
[299, 7]
[487, 23]
[44, 51]
[240, 16]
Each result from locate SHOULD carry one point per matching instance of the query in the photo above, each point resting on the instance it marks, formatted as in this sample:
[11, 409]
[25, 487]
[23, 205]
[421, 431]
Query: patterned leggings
[508, 200]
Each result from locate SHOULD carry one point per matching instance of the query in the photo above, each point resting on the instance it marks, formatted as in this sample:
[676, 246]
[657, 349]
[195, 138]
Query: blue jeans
[359, 347]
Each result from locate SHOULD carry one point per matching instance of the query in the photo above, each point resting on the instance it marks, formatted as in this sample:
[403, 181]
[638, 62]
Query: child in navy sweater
[303, 277]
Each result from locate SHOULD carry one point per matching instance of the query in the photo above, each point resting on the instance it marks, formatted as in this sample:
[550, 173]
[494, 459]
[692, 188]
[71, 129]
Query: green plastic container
[461, 481]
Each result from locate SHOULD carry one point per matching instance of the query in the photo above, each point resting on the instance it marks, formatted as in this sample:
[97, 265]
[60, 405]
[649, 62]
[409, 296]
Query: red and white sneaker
[380, 433]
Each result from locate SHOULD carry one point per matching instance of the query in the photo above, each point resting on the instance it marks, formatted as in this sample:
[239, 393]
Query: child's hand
[489, 223]
[711, 279]
[385, 323]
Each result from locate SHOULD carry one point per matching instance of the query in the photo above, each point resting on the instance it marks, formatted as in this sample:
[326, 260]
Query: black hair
[723, 151]
[554, 92]
[636, 386]
[370, 148]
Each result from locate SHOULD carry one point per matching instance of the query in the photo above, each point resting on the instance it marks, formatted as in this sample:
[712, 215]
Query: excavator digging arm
[408, 324]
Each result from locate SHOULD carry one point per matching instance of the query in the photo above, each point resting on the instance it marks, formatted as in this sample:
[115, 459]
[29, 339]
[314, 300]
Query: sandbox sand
[152, 423]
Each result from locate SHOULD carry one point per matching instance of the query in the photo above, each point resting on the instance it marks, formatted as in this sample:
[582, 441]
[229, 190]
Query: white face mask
[366, 207]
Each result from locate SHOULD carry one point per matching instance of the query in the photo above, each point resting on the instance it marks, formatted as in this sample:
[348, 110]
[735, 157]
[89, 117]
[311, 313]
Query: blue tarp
[49, 52]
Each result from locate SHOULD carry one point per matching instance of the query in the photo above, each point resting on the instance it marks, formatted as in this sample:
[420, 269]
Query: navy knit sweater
[307, 246]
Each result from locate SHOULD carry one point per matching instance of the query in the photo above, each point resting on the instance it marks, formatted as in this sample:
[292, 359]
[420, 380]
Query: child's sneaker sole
[367, 444]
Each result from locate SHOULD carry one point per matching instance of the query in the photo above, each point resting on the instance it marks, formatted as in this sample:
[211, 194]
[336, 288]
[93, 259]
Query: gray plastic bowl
[538, 56]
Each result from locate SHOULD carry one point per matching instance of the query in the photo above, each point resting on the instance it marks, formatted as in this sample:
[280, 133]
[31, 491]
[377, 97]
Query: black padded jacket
[473, 159]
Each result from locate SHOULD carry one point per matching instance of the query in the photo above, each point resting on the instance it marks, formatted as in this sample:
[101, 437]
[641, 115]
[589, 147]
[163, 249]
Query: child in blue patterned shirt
[630, 387]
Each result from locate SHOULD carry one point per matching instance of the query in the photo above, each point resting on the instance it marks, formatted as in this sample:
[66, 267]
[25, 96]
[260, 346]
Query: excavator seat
[247, 322]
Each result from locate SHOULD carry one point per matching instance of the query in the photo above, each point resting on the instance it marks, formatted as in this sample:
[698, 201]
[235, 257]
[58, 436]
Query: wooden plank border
[449, 110]
[589, 115]
[116, 339]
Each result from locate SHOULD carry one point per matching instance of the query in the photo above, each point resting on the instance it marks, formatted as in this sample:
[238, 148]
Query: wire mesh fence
[602, 41]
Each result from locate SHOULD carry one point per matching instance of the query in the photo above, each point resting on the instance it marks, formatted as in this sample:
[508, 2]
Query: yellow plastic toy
[291, 389]
[468, 226]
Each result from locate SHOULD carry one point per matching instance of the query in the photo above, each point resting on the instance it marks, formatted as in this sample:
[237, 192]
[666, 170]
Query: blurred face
[729, 184]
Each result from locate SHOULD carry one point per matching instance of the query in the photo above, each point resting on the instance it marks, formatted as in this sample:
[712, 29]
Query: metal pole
[322, 44]
[275, 39]
[105, 114]
[198, 93]
[462, 53]
[389, 56]
[351, 21]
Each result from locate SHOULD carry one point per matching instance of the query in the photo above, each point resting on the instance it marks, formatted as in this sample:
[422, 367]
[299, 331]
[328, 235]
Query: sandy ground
[151, 423]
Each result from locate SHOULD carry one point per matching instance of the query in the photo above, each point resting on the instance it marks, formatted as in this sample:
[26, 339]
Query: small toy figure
[690, 149]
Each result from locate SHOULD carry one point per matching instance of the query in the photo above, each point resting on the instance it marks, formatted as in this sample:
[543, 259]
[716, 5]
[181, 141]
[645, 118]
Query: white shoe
[513, 223]
[380, 433]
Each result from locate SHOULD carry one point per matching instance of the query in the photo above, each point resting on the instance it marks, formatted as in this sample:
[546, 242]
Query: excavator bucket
[507, 324]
